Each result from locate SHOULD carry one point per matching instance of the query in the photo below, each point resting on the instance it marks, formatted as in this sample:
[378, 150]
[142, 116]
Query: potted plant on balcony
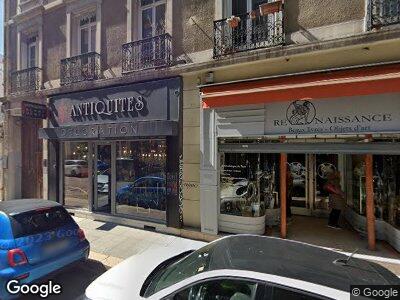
[233, 21]
[270, 8]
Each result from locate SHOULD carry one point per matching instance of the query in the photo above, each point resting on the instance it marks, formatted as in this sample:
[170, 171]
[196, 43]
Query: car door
[227, 288]
[278, 292]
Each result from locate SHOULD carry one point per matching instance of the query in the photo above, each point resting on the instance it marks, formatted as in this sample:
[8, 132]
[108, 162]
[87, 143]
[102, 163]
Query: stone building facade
[50, 46]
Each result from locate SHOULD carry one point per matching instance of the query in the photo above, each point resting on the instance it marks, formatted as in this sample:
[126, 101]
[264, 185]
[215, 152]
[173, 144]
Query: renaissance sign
[352, 115]
[155, 100]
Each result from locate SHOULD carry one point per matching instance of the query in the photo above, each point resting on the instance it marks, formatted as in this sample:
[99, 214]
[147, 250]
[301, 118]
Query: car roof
[15, 207]
[295, 260]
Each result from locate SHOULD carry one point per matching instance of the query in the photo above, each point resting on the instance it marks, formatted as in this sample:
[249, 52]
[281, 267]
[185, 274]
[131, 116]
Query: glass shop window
[386, 176]
[249, 183]
[76, 180]
[141, 178]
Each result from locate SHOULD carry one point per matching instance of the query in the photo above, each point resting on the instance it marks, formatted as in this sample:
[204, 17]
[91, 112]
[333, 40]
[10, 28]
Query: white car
[240, 267]
[76, 168]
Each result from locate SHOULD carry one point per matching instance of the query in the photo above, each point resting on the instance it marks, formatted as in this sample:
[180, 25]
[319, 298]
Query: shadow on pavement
[74, 280]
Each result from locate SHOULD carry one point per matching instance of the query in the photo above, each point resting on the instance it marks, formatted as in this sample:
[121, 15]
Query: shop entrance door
[323, 166]
[309, 174]
[102, 177]
[298, 166]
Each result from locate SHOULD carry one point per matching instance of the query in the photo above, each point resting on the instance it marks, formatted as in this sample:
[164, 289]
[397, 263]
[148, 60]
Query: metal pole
[283, 180]
[370, 207]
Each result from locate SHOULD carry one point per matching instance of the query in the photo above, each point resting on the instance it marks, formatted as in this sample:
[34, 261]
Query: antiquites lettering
[108, 107]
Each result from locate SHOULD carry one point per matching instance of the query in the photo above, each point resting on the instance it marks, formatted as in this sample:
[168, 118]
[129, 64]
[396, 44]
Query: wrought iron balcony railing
[80, 68]
[26, 80]
[384, 12]
[248, 32]
[150, 53]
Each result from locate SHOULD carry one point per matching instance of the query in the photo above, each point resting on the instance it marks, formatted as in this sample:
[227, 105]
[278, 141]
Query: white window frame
[88, 27]
[153, 6]
[75, 11]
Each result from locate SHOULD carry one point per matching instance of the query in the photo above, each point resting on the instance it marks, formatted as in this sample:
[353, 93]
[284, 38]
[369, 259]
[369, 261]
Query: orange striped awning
[331, 84]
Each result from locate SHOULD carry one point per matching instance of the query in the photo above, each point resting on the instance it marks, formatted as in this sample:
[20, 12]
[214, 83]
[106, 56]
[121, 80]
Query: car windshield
[195, 263]
[37, 221]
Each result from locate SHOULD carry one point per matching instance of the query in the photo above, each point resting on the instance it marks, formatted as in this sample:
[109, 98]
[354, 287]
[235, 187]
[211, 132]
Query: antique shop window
[152, 18]
[76, 179]
[386, 172]
[249, 183]
[141, 178]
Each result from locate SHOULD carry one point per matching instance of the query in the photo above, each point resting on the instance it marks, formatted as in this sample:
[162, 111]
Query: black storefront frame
[169, 129]
[92, 169]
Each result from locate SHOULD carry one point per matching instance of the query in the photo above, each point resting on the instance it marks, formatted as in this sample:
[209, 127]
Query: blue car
[37, 237]
[145, 192]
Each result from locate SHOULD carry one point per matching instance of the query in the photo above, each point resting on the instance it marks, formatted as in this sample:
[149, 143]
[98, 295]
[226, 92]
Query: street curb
[106, 260]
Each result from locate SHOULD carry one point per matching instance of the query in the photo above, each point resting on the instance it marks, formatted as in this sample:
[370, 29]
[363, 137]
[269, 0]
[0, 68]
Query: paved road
[111, 243]
[75, 279]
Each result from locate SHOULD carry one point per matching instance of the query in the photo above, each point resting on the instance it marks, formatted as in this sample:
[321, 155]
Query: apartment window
[87, 34]
[31, 52]
[241, 7]
[152, 18]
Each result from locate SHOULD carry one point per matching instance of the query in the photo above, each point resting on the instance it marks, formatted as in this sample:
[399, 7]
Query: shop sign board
[33, 110]
[350, 115]
[154, 100]
[111, 131]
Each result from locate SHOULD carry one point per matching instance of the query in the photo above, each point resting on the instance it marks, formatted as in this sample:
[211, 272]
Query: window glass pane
[141, 184]
[386, 172]
[239, 7]
[84, 40]
[147, 23]
[255, 4]
[160, 19]
[195, 263]
[92, 38]
[281, 293]
[146, 2]
[220, 289]
[32, 55]
[34, 222]
[76, 181]
[249, 183]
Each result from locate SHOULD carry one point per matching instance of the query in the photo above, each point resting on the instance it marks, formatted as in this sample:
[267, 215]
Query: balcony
[84, 67]
[26, 5]
[26, 80]
[384, 12]
[150, 53]
[248, 32]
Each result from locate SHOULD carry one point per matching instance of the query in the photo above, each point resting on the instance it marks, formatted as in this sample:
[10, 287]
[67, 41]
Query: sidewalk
[111, 243]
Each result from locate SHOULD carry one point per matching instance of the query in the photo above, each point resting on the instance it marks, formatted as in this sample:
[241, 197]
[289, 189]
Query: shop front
[271, 147]
[116, 151]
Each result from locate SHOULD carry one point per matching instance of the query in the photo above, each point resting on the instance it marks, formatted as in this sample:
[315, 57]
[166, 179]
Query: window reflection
[76, 181]
[249, 184]
[141, 180]
[386, 176]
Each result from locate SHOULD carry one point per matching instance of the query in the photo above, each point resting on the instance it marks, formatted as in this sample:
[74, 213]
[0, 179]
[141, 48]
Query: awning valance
[341, 83]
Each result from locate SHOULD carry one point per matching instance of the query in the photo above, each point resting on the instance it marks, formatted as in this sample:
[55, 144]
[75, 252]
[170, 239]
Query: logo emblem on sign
[300, 112]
